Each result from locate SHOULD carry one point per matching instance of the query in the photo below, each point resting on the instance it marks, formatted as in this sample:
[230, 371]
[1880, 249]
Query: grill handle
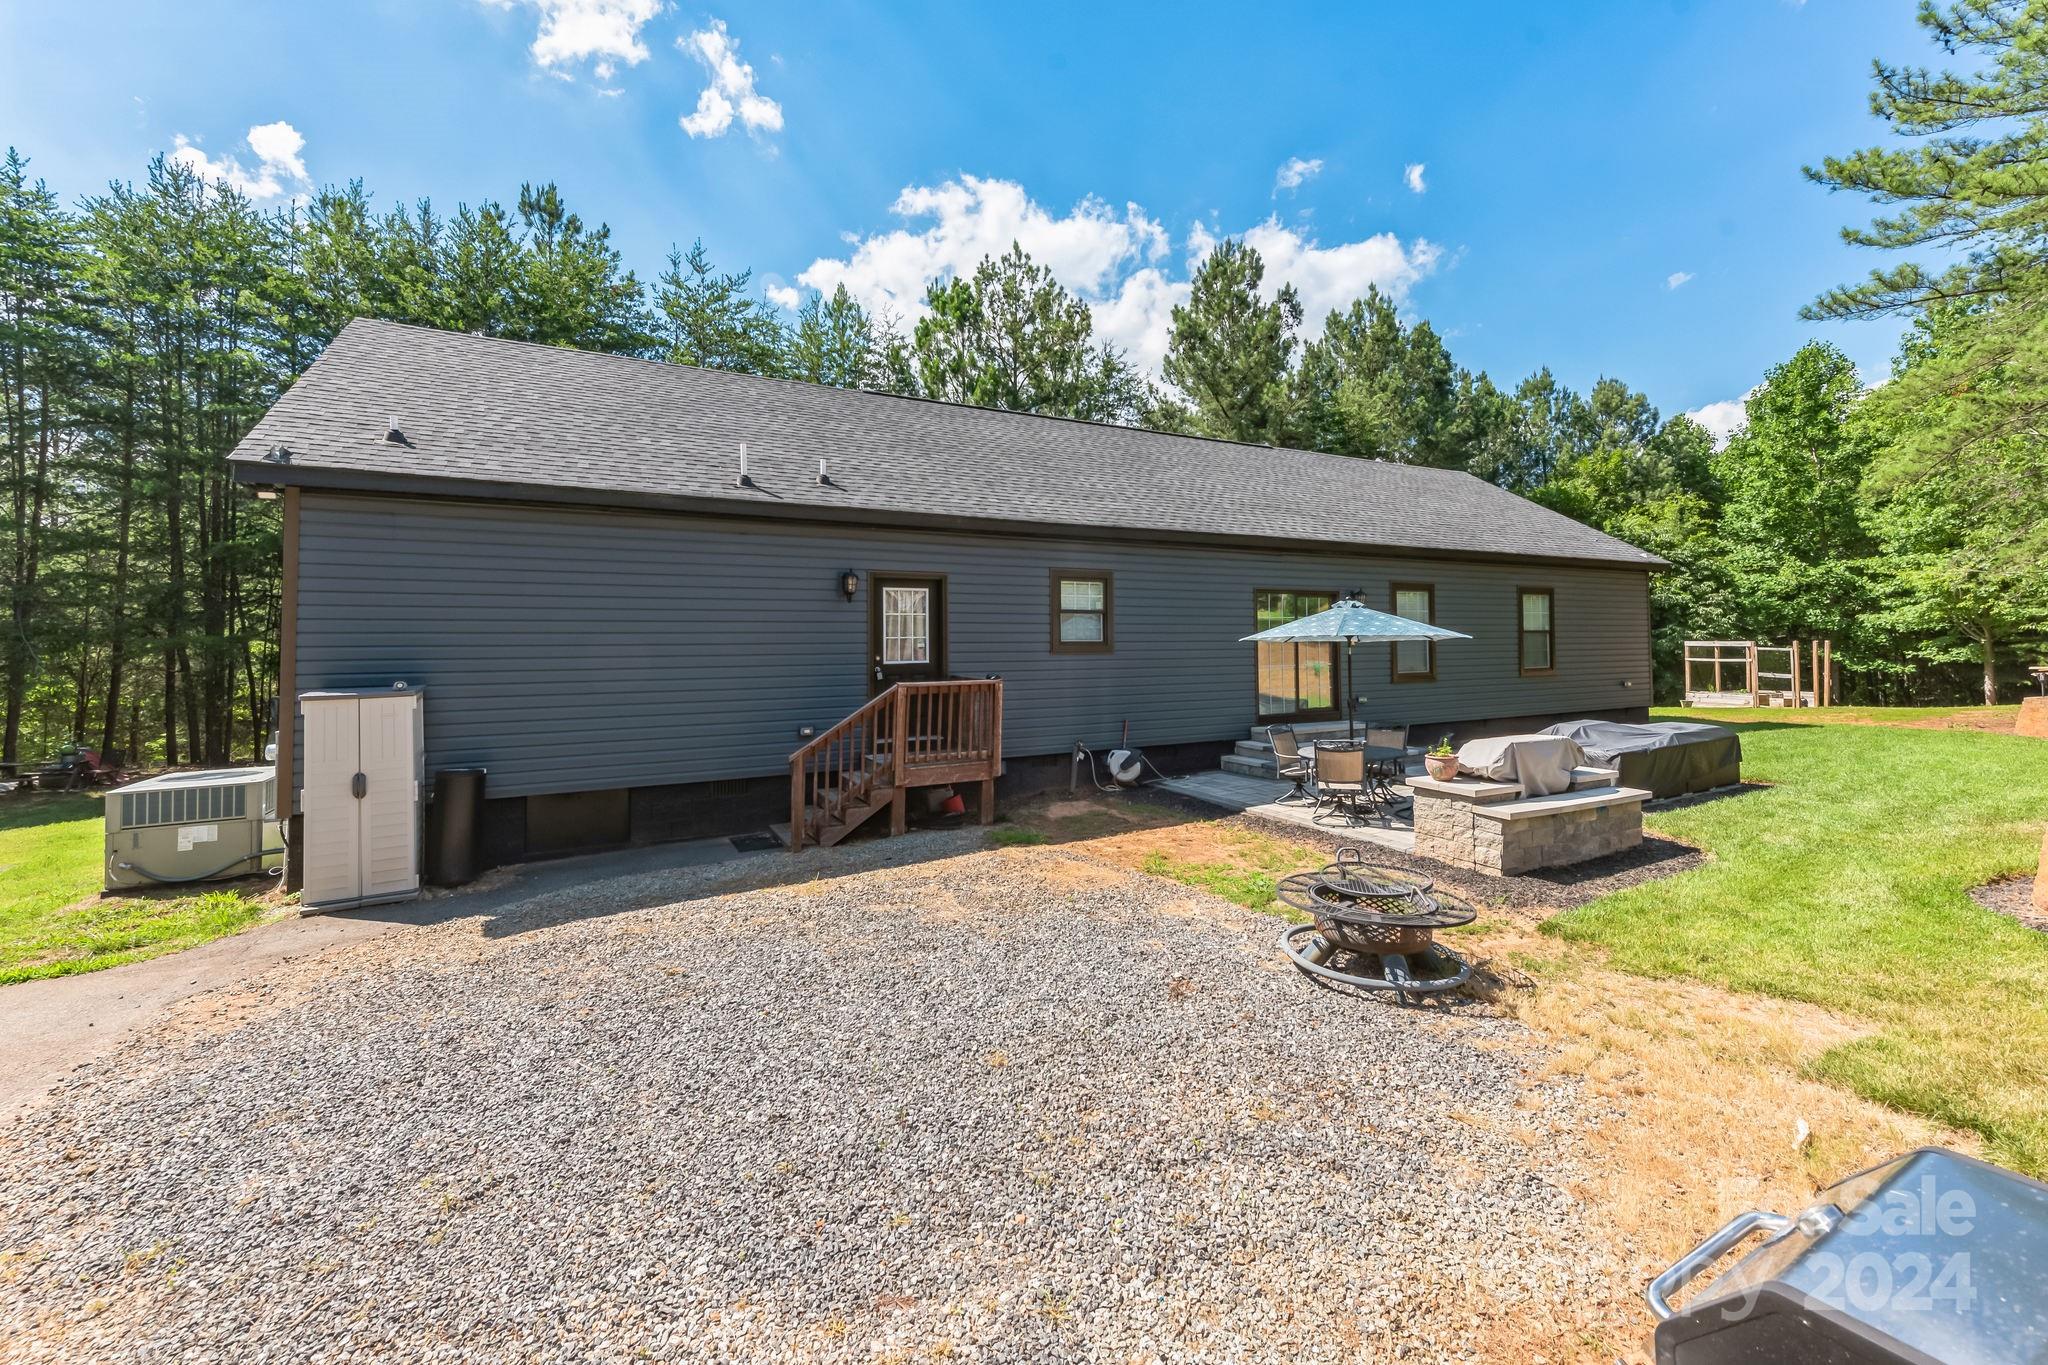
[1688, 1266]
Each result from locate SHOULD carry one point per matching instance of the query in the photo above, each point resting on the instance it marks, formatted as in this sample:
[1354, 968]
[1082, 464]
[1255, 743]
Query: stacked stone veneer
[1490, 827]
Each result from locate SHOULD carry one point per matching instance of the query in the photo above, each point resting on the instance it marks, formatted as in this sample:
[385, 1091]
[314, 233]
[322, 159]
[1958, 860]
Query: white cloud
[1296, 172]
[782, 296]
[1413, 175]
[1118, 262]
[278, 164]
[1677, 278]
[571, 31]
[1329, 278]
[1723, 419]
[731, 90]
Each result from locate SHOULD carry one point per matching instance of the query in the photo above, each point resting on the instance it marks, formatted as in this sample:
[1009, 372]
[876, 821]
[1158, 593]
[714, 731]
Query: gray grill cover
[1667, 758]
[1541, 764]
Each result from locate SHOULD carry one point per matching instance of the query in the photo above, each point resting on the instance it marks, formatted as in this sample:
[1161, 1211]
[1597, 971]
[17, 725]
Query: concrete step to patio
[1304, 730]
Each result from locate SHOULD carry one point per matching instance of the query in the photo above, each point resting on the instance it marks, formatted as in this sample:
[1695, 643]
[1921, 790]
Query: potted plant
[1442, 761]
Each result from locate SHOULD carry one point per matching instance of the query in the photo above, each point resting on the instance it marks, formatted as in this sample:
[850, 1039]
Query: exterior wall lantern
[849, 583]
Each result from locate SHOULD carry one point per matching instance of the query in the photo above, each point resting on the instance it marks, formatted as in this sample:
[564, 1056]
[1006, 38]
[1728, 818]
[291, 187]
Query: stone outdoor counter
[1491, 827]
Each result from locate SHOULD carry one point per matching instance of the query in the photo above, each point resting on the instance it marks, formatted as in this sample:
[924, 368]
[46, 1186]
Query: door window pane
[906, 625]
[1293, 678]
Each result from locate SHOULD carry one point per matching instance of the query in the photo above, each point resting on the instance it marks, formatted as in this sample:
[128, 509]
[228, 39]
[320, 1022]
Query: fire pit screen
[1374, 927]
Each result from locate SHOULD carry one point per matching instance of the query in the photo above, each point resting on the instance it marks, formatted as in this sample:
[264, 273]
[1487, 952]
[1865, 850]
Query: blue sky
[1605, 188]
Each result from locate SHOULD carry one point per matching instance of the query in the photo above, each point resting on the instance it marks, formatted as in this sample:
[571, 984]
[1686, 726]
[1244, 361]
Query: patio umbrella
[1352, 623]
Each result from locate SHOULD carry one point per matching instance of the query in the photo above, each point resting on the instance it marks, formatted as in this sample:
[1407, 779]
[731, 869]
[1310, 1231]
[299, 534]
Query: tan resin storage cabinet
[364, 763]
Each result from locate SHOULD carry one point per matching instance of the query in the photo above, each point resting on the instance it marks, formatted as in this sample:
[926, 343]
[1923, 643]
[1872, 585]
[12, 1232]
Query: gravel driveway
[1002, 1105]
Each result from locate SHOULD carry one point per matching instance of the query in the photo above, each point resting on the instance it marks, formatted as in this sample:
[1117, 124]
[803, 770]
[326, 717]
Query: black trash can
[451, 826]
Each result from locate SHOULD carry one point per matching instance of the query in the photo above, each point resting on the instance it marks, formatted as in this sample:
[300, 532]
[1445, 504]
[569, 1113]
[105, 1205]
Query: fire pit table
[1374, 928]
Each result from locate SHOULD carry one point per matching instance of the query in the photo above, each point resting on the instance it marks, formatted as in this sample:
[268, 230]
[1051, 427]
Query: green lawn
[51, 922]
[1844, 883]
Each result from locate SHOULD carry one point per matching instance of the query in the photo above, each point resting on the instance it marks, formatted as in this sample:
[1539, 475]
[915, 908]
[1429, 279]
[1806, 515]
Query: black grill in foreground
[1931, 1258]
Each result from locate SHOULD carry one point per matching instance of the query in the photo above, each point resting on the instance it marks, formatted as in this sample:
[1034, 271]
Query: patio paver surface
[1260, 797]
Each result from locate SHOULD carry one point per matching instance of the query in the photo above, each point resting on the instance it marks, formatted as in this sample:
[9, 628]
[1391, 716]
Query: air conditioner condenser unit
[189, 827]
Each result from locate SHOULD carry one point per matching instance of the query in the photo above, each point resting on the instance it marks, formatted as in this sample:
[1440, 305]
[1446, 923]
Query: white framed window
[1083, 611]
[906, 625]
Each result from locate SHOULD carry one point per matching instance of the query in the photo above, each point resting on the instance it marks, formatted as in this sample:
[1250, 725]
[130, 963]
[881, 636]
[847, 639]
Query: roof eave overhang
[262, 472]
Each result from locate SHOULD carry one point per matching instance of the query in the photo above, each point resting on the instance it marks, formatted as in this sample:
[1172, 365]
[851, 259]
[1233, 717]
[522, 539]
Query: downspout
[288, 695]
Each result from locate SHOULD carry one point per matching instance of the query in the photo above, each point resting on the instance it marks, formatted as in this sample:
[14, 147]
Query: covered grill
[1374, 927]
[1932, 1258]
[1667, 758]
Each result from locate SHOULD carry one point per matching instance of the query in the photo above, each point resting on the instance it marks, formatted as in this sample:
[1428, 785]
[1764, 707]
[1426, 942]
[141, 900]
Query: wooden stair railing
[915, 734]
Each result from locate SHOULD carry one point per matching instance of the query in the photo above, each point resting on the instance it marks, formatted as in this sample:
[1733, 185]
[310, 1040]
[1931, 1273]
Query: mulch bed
[1555, 888]
[2012, 896]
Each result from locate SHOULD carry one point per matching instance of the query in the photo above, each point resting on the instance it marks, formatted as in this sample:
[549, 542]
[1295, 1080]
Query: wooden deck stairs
[915, 734]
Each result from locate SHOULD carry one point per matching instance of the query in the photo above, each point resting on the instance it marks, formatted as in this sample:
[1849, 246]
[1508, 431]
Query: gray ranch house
[633, 591]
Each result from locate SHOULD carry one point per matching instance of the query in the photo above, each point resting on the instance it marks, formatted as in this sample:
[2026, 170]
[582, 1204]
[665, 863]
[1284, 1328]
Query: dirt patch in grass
[1710, 1105]
[2013, 896]
[1996, 720]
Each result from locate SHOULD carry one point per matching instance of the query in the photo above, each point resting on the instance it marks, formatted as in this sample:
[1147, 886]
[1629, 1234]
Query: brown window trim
[1521, 641]
[1394, 673]
[1107, 645]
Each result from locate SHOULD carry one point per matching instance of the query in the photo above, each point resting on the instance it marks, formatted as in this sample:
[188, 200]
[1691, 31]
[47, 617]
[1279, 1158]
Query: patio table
[1382, 764]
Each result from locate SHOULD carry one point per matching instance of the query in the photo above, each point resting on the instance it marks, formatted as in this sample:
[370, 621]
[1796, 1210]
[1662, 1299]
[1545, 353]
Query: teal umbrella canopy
[1351, 623]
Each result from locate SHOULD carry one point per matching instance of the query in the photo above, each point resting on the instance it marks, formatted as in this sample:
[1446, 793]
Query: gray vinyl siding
[571, 649]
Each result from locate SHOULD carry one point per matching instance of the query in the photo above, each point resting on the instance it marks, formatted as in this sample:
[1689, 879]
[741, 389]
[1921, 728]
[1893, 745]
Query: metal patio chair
[1341, 783]
[1291, 763]
[1387, 735]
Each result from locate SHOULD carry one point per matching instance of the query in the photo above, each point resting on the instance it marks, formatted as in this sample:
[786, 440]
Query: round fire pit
[1374, 927]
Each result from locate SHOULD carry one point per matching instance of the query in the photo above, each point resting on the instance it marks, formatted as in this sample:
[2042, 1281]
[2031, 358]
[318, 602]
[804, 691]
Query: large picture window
[1296, 681]
[1415, 660]
[1083, 611]
[1538, 630]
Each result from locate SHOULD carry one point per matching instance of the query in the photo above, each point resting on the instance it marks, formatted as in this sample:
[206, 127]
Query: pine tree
[712, 319]
[43, 362]
[1230, 352]
[1011, 336]
[834, 342]
[1372, 386]
[1973, 186]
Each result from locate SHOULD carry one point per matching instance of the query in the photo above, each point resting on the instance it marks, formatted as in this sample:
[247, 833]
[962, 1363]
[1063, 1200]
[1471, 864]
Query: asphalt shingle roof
[514, 419]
